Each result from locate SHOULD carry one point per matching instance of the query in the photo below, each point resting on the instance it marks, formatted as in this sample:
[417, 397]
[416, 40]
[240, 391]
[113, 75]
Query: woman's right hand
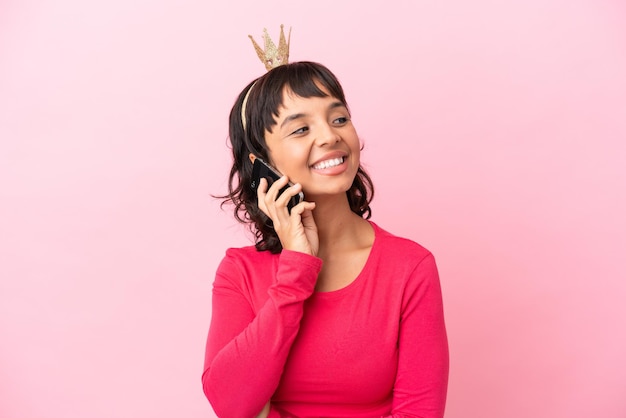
[296, 230]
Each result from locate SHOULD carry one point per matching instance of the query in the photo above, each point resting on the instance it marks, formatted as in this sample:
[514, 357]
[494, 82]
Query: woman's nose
[327, 135]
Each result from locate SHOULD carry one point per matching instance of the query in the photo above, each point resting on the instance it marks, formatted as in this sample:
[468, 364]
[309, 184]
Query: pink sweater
[376, 348]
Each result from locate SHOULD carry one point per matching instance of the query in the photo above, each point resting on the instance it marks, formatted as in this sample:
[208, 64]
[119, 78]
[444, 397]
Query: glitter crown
[273, 56]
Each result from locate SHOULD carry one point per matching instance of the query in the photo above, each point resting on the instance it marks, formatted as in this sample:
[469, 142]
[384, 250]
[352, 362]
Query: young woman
[328, 315]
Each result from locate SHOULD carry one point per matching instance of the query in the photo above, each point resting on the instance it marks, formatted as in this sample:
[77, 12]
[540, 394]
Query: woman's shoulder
[245, 258]
[247, 252]
[246, 268]
[398, 246]
[402, 260]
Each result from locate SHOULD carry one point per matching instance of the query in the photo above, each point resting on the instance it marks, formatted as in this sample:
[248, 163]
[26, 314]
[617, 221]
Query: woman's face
[315, 144]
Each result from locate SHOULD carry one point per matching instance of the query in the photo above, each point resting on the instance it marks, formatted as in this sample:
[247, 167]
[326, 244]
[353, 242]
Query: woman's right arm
[246, 352]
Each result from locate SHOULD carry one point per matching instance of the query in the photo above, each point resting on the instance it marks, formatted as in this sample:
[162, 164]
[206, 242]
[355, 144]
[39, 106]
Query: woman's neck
[338, 227]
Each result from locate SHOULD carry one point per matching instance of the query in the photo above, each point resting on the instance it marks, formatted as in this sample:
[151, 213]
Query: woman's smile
[331, 164]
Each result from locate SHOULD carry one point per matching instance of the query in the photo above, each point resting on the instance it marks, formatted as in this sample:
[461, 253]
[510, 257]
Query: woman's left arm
[422, 380]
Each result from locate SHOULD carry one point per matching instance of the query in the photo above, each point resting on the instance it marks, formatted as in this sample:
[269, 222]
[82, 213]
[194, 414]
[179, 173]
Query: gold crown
[273, 56]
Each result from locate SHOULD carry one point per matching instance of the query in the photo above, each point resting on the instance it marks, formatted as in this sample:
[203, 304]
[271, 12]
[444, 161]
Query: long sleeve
[248, 344]
[422, 379]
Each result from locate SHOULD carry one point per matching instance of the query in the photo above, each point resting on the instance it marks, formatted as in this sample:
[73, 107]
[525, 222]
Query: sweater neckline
[362, 274]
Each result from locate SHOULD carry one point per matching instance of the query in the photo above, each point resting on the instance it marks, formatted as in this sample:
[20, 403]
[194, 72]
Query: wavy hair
[264, 98]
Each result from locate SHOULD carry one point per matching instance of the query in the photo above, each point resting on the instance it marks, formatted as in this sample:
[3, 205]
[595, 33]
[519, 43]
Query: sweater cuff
[306, 261]
[297, 274]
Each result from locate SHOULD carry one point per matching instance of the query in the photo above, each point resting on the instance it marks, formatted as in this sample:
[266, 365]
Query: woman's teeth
[328, 163]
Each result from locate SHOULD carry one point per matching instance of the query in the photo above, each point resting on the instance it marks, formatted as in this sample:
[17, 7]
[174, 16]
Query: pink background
[494, 132]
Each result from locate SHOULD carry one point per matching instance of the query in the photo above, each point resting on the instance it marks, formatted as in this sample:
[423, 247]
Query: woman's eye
[341, 120]
[300, 131]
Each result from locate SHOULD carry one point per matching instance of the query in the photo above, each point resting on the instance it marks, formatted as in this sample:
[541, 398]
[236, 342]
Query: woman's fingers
[301, 207]
[285, 197]
[260, 194]
[303, 235]
[274, 203]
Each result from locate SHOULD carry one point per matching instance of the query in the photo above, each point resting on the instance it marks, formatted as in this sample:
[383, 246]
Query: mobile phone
[261, 169]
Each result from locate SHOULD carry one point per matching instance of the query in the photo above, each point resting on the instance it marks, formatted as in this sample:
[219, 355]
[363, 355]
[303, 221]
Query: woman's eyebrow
[336, 104]
[292, 117]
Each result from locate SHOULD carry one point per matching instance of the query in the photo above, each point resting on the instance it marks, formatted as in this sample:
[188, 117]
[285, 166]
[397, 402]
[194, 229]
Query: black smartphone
[262, 169]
